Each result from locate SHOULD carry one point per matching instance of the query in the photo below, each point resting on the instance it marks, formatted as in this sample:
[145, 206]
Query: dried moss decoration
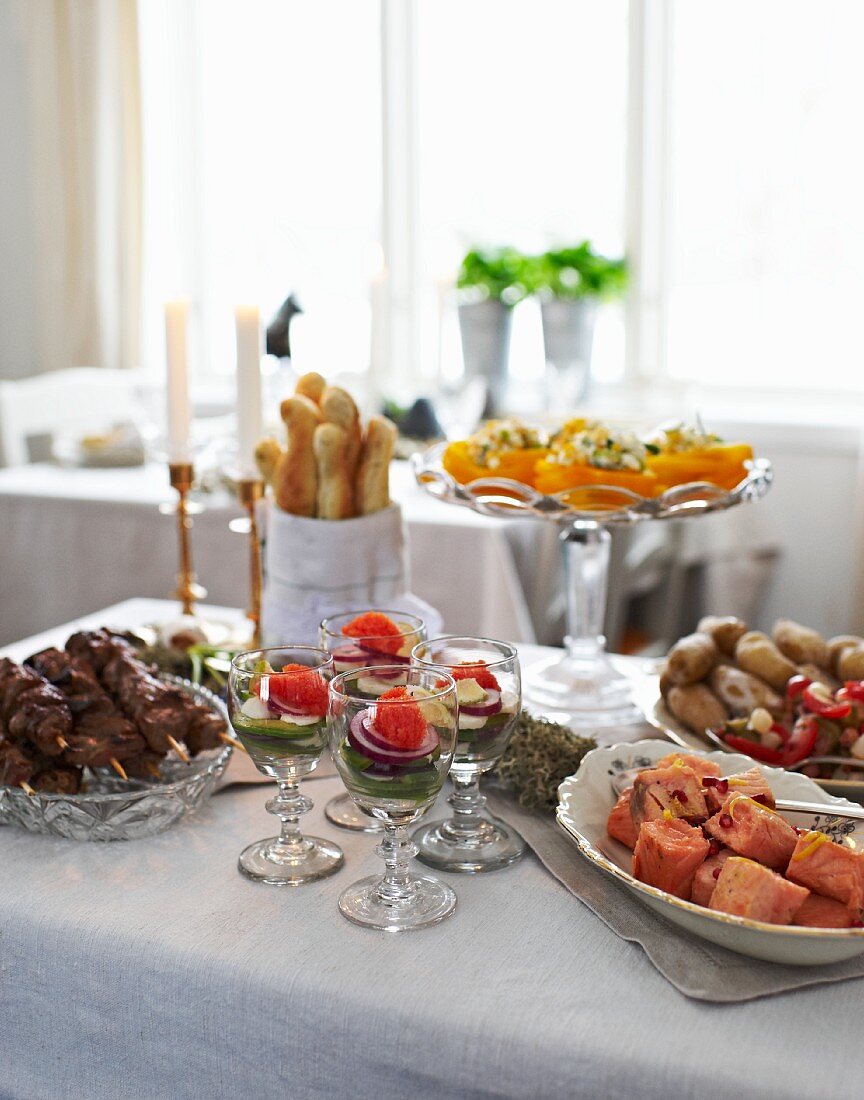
[540, 755]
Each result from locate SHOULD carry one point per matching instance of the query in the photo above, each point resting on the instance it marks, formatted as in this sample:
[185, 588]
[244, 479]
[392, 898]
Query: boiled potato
[756, 653]
[819, 676]
[696, 706]
[800, 644]
[850, 663]
[741, 692]
[690, 659]
[724, 630]
[838, 644]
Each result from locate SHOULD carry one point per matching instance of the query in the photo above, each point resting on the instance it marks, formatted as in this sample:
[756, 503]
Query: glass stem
[288, 805]
[466, 823]
[585, 547]
[396, 850]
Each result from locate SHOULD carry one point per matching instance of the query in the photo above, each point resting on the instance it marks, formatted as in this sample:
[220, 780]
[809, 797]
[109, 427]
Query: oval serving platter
[584, 802]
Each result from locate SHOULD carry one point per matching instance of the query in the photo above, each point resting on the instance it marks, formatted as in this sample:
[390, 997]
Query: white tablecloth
[75, 540]
[152, 969]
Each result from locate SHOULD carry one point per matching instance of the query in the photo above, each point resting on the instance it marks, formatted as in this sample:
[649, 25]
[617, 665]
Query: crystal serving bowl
[110, 808]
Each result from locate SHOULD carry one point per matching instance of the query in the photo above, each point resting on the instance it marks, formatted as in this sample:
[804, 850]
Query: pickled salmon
[753, 831]
[620, 823]
[668, 854]
[699, 764]
[706, 876]
[751, 783]
[829, 869]
[676, 790]
[819, 912]
[747, 889]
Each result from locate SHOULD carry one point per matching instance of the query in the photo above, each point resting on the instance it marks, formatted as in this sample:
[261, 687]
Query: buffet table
[152, 969]
[65, 530]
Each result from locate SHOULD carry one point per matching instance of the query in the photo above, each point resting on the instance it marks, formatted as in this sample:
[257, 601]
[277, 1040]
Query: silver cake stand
[584, 684]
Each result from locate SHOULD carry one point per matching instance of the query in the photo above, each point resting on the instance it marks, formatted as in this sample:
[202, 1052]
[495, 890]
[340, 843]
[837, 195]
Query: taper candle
[249, 352]
[178, 381]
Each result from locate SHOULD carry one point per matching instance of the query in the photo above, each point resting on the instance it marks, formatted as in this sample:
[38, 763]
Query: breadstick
[337, 406]
[311, 385]
[373, 472]
[268, 452]
[335, 496]
[296, 478]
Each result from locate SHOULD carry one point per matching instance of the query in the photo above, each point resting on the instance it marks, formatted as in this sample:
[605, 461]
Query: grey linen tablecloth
[152, 969]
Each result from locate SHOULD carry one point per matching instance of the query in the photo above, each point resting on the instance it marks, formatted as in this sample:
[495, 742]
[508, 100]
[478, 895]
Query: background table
[75, 540]
[153, 969]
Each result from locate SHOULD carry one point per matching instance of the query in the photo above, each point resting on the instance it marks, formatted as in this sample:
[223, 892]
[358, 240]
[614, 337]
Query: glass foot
[279, 865]
[493, 846]
[428, 902]
[342, 812]
[592, 693]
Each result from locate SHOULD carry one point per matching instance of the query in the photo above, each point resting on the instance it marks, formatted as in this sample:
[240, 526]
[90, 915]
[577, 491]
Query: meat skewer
[94, 704]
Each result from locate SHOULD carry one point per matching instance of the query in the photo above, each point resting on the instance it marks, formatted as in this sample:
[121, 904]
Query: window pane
[767, 221]
[285, 155]
[522, 133]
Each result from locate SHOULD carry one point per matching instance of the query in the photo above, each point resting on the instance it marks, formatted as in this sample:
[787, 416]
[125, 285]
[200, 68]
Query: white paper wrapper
[314, 568]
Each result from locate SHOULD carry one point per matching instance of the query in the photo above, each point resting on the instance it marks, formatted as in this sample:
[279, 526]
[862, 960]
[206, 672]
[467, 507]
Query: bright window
[766, 248]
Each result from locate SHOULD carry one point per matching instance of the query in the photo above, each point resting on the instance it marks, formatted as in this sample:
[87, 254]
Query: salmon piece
[751, 783]
[819, 912]
[620, 824]
[699, 764]
[747, 889]
[668, 854]
[754, 831]
[677, 789]
[706, 877]
[829, 869]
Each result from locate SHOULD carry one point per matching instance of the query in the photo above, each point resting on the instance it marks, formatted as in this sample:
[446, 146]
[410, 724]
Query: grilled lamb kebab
[101, 734]
[32, 709]
[164, 715]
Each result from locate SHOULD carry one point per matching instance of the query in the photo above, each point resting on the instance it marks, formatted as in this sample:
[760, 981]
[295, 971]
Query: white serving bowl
[584, 802]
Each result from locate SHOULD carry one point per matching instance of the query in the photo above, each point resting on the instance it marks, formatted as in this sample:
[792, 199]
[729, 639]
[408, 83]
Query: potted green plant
[571, 282]
[490, 282]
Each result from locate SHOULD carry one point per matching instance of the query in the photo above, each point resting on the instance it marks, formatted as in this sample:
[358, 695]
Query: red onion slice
[363, 739]
[388, 658]
[483, 710]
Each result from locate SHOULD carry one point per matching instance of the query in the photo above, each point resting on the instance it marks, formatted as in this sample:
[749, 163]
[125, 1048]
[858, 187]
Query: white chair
[64, 402]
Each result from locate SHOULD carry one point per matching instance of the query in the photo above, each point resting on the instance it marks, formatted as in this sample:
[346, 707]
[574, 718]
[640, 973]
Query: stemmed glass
[356, 639]
[277, 703]
[488, 688]
[393, 754]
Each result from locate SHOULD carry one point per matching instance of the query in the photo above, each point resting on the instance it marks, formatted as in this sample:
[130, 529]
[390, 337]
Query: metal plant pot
[485, 328]
[568, 333]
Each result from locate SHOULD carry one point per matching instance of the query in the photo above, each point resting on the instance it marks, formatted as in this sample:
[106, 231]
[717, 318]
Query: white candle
[379, 337]
[249, 352]
[178, 381]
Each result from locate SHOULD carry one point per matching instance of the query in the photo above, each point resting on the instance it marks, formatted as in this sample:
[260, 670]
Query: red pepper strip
[816, 705]
[754, 748]
[781, 731]
[853, 689]
[802, 742]
[795, 685]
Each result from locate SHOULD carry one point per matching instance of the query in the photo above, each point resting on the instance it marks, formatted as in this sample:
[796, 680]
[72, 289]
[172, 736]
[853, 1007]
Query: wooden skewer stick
[178, 748]
[62, 743]
[229, 740]
[26, 788]
[118, 767]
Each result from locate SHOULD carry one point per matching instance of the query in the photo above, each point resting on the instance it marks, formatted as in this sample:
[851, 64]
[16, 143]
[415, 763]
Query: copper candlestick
[188, 590]
[249, 492]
